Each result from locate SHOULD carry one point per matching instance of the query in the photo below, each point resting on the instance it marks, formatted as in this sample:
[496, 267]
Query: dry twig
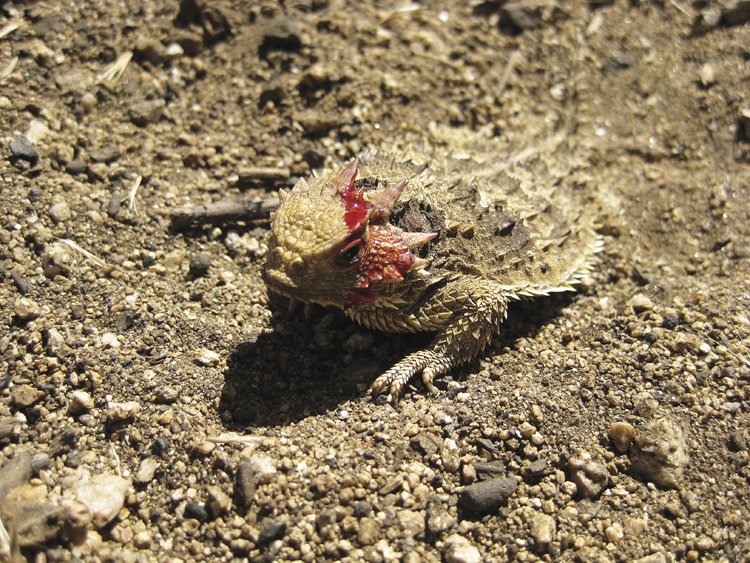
[245, 207]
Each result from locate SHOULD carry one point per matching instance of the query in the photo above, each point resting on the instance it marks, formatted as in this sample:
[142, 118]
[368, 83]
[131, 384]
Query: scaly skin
[410, 249]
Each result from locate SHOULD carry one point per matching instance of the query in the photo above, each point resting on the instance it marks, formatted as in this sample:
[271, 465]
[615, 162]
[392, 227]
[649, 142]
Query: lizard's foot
[429, 362]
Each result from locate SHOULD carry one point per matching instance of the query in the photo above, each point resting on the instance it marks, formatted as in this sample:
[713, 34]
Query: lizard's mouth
[278, 282]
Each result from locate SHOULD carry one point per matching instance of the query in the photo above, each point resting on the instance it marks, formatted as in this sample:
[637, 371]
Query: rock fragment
[426, 443]
[146, 471]
[144, 112]
[590, 477]
[123, 411]
[199, 265]
[58, 259]
[24, 396]
[107, 154]
[486, 497]
[660, 452]
[80, 402]
[26, 309]
[104, 495]
[60, 212]
[218, 502]
[542, 528]
[460, 550]
[23, 154]
[622, 435]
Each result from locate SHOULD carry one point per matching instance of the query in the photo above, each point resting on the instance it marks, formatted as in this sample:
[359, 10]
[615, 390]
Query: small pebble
[109, 340]
[60, 212]
[208, 357]
[218, 502]
[167, 395]
[660, 452]
[622, 435]
[24, 396]
[123, 411]
[590, 478]
[26, 309]
[23, 151]
[197, 511]
[542, 527]
[707, 74]
[614, 533]
[146, 471]
[106, 154]
[199, 265]
[205, 447]
[55, 342]
[460, 550]
[147, 111]
[486, 497]
[639, 303]
[80, 402]
[104, 495]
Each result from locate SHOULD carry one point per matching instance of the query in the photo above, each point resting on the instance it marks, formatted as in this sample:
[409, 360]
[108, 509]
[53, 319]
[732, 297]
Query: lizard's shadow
[305, 368]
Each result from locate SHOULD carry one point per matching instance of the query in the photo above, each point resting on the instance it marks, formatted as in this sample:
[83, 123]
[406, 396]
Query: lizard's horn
[346, 178]
[415, 240]
[385, 200]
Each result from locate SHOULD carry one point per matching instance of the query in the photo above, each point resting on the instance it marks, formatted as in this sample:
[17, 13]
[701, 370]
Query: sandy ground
[155, 406]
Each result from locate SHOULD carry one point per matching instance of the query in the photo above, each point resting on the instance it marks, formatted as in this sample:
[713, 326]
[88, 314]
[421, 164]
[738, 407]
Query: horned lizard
[401, 246]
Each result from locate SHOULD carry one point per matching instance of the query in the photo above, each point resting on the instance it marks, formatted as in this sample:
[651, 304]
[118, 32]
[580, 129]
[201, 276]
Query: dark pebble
[196, 510]
[536, 468]
[147, 111]
[273, 92]
[199, 265]
[76, 167]
[160, 446]
[108, 153]
[736, 13]
[426, 443]
[40, 461]
[489, 470]
[280, 35]
[314, 158]
[670, 321]
[21, 284]
[487, 496]
[245, 483]
[21, 149]
[271, 532]
[362, 509]
[515, 19]
[62, 443]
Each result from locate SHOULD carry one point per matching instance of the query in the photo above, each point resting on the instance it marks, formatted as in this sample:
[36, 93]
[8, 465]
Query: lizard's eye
[350, 252]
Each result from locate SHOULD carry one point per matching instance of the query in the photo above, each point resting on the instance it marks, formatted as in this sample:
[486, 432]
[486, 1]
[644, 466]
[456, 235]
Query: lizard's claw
[428, 375]
[430, 363]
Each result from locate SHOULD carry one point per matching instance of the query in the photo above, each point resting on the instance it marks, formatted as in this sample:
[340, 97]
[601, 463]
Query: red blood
[356, 206]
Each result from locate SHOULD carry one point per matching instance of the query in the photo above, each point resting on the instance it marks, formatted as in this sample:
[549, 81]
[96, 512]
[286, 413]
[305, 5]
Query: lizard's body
[477, 237]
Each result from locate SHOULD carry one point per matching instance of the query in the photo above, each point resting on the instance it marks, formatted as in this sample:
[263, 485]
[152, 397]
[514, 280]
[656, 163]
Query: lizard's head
[331, 243]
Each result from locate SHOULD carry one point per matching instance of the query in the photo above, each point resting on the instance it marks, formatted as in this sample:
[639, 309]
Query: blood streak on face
[354, 200]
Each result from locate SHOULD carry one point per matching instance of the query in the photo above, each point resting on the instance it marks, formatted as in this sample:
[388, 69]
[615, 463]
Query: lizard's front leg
[474, 310]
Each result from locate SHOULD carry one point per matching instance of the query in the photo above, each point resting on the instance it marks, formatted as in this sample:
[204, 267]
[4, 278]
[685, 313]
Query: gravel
[149, 370]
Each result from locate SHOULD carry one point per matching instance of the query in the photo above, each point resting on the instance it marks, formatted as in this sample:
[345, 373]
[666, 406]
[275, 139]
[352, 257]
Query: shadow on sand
[306, 368]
